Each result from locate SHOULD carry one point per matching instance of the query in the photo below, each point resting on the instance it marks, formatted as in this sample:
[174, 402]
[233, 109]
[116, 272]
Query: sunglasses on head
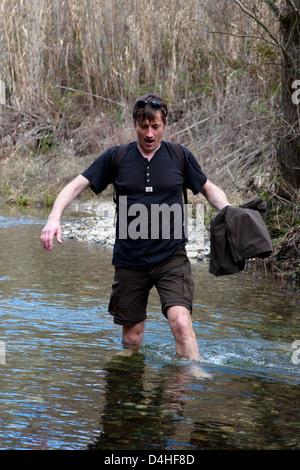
[152, 103]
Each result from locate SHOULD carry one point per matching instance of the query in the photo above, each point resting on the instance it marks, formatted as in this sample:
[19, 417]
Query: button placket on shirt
[148, 174]
[148, 180]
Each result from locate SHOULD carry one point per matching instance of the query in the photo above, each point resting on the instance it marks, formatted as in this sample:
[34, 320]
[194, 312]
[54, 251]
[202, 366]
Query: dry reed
[72, 69]
[117, 49]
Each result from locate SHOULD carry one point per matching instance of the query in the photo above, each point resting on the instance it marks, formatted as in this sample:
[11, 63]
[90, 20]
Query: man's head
[150, 117]
[147, 108]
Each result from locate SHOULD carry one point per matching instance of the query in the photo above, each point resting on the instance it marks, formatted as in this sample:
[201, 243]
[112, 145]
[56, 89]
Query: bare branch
[292, 34]
[91, 94]
[273, 7]
[235, 35]
[249, 13]
[291, 3]
[283, 50]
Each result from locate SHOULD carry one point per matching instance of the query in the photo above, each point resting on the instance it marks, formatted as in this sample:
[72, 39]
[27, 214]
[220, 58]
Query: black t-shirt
[149, 226]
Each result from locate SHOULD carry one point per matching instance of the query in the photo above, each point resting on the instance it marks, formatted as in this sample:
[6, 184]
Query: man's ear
[134, 122]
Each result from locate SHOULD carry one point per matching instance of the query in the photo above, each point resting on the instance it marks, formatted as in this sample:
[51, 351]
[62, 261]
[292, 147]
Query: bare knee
[133, 334]
[180, 321]
[182, 328]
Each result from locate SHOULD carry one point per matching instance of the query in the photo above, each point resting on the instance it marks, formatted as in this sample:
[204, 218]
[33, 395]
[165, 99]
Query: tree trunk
[289, 141]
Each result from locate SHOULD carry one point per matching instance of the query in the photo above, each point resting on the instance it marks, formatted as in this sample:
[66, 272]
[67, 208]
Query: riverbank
[98, 227]
[32, 176]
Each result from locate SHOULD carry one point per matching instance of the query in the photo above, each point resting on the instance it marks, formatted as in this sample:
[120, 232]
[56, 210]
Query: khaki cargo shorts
[130, 289]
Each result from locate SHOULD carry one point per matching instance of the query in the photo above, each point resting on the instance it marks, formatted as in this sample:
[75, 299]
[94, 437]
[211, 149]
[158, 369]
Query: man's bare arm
[63, 200]
[215, 195]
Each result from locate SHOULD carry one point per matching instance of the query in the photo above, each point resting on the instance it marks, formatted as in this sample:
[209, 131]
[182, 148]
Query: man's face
[149, 134]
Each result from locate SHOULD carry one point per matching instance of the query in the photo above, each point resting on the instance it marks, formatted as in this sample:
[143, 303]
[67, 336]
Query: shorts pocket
[188, 283]
[114, 298]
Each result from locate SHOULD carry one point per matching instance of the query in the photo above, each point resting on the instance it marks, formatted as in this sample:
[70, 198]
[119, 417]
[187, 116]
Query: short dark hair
[141, 114]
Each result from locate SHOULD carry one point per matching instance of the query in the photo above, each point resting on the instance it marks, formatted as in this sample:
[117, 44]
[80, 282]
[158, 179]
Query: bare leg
[133, 334]
[132, 338]
[185, 339]
[182, 328]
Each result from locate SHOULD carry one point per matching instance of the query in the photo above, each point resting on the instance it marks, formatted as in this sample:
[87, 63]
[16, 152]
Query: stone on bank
[98, 227]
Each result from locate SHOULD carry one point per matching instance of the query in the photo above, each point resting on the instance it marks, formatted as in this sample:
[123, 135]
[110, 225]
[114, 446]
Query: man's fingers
[47, 238]
[58, 236]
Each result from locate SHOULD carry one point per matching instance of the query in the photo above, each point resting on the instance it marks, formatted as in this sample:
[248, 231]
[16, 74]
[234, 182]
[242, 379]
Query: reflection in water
[65, 385]
[141, 408]
[150, 408]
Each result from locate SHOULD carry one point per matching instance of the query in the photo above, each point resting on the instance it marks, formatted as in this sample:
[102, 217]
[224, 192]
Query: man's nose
[149, 132]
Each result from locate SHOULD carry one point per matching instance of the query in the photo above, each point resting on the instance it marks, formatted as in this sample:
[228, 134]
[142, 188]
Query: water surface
[65, 385]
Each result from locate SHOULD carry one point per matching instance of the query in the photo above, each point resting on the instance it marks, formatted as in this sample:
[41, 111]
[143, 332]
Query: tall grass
[118, 49]
[73, 68]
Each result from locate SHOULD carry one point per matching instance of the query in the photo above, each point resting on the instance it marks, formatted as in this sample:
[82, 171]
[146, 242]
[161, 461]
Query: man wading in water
[149, 176]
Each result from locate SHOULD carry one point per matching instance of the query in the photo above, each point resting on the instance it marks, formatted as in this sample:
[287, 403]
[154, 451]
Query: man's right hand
[63, 200]
[51, 229]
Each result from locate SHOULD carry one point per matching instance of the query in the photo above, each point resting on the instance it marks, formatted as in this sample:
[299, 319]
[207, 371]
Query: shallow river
[64, 383]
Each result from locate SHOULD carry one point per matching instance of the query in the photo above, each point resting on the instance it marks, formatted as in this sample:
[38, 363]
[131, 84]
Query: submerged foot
[128, 351]
[198, 372]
